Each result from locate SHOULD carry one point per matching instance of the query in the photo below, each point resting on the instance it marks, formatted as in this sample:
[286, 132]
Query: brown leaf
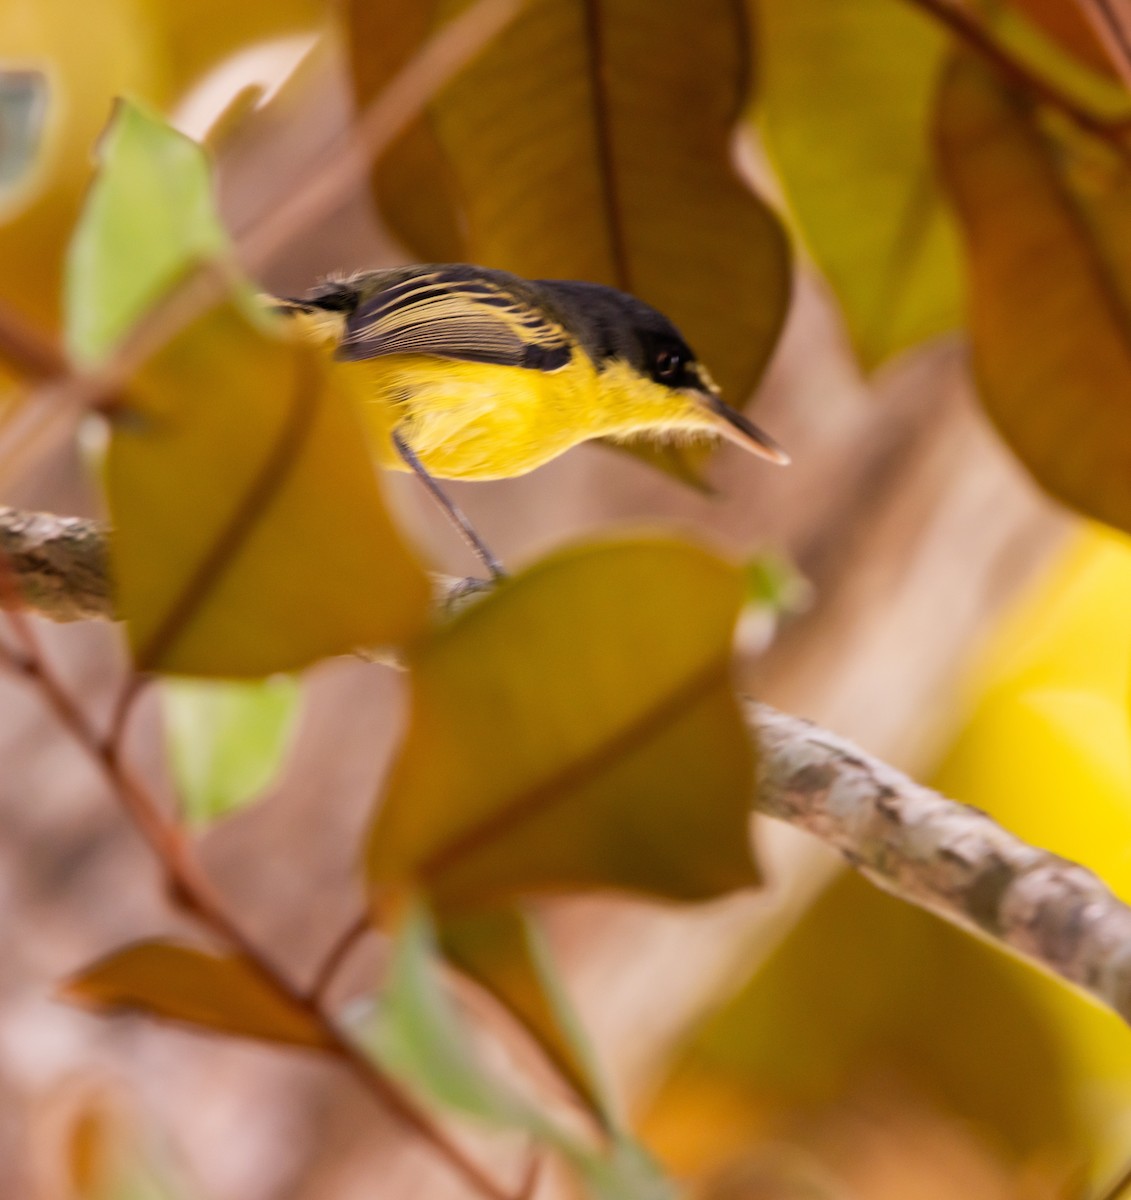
[1046, 214]
[592, 141]
[177, 982]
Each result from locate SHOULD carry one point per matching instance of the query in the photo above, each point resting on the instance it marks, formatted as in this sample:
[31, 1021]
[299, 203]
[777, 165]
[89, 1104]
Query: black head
[614, 325]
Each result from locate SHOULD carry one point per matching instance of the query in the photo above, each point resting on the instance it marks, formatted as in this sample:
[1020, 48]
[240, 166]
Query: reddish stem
[190, 887]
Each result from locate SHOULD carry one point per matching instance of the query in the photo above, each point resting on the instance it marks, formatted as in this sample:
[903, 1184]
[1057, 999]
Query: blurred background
[816, 1039]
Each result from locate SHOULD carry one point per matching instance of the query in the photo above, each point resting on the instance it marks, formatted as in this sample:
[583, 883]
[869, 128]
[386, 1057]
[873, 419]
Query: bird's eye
[668, 365]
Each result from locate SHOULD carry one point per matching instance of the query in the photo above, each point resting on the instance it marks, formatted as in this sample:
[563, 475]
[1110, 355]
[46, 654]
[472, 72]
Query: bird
[484, 374]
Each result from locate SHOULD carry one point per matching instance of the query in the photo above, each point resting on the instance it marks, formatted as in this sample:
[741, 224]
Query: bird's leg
[455, 515]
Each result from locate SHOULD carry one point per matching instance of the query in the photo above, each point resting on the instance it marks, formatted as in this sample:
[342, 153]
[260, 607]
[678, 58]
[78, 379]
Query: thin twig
[401, 102]
[196, 895]
[974, 34]
[336, 956]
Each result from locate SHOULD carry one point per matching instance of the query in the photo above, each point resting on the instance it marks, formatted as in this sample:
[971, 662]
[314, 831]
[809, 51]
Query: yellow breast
[480, 421]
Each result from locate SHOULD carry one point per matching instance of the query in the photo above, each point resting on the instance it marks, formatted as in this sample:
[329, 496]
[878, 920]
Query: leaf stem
[974, 35]
[193, 892]
[337, 954]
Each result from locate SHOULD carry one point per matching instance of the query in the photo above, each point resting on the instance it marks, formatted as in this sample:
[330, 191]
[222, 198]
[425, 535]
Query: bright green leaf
[222, 993]
[226, 739]
[149, 217]
[250, 535]
[504, 951]
[576, 728]
[1047, 218]
[845, 107]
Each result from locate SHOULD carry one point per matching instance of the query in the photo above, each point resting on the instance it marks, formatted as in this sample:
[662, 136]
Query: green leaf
[250, 535]
[576, 728]
[418, 1036]
[220, 992]
[226, 739]
[23, 110]
[1046, 213]
[775, 585]
[845, 108]
[593, 141]
[149, 217]
[505, 951]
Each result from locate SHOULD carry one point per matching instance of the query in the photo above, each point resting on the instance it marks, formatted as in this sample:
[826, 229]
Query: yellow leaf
[868, 988]
[1049, 715]
[1047, 219]
[250, 533]
[1046, 750]
[89, 53]
[576, 729]
[175, 982]
[858, 80]
[593, 141]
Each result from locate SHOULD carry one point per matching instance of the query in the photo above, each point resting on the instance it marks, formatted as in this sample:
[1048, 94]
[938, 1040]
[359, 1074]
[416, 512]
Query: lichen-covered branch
[59, 566]
[946, 857]
[918, 845]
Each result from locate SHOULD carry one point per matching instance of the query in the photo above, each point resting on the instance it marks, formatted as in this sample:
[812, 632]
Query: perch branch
[927, 850]
[60, 566]
[946, 857]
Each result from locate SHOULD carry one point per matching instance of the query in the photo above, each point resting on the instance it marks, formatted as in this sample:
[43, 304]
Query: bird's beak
[731, 424]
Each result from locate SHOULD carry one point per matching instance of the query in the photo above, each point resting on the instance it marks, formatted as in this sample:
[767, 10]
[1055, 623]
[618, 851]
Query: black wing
[456, 312]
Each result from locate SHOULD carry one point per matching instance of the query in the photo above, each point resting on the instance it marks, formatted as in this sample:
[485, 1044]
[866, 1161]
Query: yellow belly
[479, 421]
